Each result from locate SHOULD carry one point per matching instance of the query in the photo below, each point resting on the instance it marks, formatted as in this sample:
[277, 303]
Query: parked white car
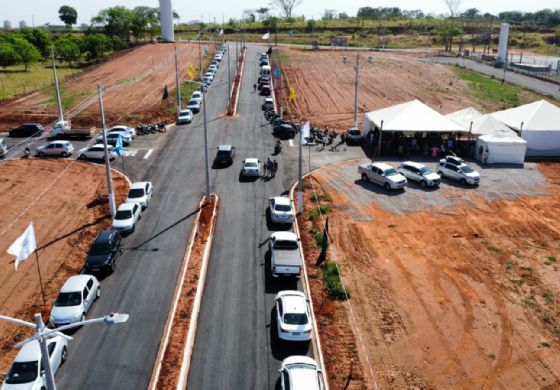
[382, 174]
[198, 96]
[209, 75]
[126, 217]
[293, 316]
[55, 148]
[140, 192]
[218, 57]
[419, 173]
[462, 172]
[74, 300]
[213, 68]
[131, 131]
[96, 152]
[194, 105]
[301, 372]
[113, 137]
[281, 209]
[251, 167]
[185, 117]
[25, 372]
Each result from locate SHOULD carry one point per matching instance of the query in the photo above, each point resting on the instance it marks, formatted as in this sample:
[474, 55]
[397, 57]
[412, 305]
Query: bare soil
[173, 355]
[461, 297]
[133, 81]
[324, 85]
[66, 219]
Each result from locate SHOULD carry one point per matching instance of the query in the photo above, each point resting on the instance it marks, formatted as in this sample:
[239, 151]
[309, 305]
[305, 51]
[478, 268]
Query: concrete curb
[316, 342]
[240, 79]
[176, 295]
[189, 345]
[123, 175]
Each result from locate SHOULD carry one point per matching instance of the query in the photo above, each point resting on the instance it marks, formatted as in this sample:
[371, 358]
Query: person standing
[274, 168]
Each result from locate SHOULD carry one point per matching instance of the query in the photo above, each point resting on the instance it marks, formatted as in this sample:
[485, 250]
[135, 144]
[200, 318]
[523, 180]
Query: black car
[225, 154]
[265, 90]
[27, 130]
[284, 130]
[104, 251]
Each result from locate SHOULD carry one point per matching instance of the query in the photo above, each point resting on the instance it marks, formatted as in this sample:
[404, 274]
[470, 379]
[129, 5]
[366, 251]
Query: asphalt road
[122, 357]
[511, 77]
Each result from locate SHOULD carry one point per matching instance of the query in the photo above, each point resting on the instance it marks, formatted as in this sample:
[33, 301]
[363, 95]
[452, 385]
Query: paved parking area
[497, 182]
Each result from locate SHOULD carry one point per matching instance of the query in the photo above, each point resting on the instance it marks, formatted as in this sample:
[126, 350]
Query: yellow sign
[292, 96]
[191, 71]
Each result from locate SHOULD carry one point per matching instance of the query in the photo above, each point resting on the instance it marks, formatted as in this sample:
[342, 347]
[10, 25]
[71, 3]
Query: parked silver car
[74, 300]
[55, 148]
[419, 173]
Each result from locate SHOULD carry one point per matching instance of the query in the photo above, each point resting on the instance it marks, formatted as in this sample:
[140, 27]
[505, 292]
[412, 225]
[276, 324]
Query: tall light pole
[57, 90]
[357, 68]
[178, 92]
[208, 199]
[112, 205]
[229, 80]
[43, 333]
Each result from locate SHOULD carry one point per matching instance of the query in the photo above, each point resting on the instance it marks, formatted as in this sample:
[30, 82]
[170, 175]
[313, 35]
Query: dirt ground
[463, 296]
[133, 82]
[324, 85]
[66, 219]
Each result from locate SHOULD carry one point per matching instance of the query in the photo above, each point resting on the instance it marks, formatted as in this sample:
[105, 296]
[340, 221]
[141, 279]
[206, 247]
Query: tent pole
[469, 138]
[379, 142]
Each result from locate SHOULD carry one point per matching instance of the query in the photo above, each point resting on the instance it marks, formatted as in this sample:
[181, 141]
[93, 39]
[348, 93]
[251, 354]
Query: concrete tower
[503, 45]
[166, 21]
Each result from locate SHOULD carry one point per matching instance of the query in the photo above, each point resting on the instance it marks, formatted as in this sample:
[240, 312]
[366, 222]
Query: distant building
[7, 25]
[22, 24]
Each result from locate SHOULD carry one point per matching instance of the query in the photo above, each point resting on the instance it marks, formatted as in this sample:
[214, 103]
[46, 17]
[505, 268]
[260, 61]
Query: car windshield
[123, 214]
[285, 244]
[223, 153]
[193, 102]
[425, 171]
[283, 207]
[68, 299]
[354, 132]
[391, 172]
[136, 193]
[467, 169]
[251, 164]
[295, 318]
[22, 372]
[99, 249]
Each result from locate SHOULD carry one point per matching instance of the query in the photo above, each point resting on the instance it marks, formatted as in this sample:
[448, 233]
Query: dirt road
[464, 296]
[66, 220]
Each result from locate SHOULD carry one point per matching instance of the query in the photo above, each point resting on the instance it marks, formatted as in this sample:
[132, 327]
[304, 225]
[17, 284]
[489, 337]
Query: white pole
[356, 91]
[57, 90]
[112, 205]
[178, 94]
[229, 80]
[208, 199]
[45, 362]
[300, 174]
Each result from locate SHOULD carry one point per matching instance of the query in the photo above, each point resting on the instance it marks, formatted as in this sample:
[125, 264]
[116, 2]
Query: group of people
[270, 168]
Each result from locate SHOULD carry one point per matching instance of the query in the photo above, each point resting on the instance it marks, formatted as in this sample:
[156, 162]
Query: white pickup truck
[382, 174]
[285, 256]
[63, 129]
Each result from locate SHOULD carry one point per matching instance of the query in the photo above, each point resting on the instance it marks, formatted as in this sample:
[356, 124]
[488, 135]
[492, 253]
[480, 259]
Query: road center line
[148, 154]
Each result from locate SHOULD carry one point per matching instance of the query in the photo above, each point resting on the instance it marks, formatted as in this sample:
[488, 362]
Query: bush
[334, 285]
[318, 236]
[313, 213]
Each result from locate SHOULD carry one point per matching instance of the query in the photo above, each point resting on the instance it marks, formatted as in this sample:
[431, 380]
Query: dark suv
[27, 130]
[104, 251]
[225, 154]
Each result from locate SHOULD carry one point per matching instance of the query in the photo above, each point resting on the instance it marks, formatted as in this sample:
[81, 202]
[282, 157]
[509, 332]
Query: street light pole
[229, 80]
[49, 375]
[357, 67]
[205, 130]
[178, 94]
[57, 90]
[112, 205]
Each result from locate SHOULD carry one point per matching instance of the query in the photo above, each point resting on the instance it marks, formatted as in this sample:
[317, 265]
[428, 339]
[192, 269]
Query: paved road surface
[515, 78]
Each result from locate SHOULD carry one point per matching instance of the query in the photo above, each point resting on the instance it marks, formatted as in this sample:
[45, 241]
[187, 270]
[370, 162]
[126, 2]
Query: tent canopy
[540, 115]
[413, 116]
[465, 116]
[487, 124]
[503, 137]
[502, 146]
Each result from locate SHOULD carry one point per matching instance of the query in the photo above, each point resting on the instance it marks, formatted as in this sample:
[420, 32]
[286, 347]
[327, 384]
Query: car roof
[185, 111]
[60, 142]
[382, 166]
[224, 148]
[98, 146]
[251, 159]
[269, 99]
[29, 352]
[413, 164]
[197, 93]
[75, 283]
[284, 236]
[126, 206]
[293, 301]
[120, 127]
[282, 200]
[139, 184]
[104, 235]
[32, 124]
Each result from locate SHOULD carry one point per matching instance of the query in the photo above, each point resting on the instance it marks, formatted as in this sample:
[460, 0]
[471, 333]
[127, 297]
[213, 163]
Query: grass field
[15, 81]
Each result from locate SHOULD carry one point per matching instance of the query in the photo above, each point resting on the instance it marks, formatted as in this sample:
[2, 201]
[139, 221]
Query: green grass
[15, 81]
[314, 213]
[333, 282]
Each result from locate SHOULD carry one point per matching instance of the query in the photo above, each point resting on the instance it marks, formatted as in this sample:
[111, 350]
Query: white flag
[266, 36]
[24, 245]
[305, 130]
[221, 32]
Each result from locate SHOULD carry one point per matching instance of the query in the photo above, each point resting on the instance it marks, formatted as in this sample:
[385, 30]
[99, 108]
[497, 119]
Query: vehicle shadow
[377, 189]
[66, 235]
[218, 165]
[456, 184]
[273, 285]
[417, 186]
[282, 349]
[247, 179]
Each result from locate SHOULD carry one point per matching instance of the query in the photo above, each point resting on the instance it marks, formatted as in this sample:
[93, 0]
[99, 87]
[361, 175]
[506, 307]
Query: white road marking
[130, 152]
[148, 154]
[291, 142]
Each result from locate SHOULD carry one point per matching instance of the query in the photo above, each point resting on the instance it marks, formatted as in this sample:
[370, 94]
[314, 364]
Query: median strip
[173, 359]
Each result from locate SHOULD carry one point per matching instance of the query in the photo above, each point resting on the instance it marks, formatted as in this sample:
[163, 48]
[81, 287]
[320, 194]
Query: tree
[116, 21]
[263, 13]
[329, 14]
[453, 6]
[68, 15]
[96, 45]
[447, 31]
[145, 20]
[343, 16]
[471, 13]
[27, 52]
[68, 48]
[39, 38]
[286, 6]
[8, 55]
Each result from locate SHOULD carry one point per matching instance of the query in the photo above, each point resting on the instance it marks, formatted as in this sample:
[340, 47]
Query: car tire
[387, 186]
[41, 154]
[440, 173]
[81, 157]
[64, 154]
[424, 184]
[63, 355]
[364, 177]
[98, 293]
[463, 182]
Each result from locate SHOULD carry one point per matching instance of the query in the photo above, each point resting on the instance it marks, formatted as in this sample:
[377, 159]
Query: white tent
[413, 116]
[502, 146]
[487, 124]
[465, 116]
[538, 124]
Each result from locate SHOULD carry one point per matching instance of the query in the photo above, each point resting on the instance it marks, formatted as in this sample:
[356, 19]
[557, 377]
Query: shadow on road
[376, 188]
[274, 285]
[282, 349]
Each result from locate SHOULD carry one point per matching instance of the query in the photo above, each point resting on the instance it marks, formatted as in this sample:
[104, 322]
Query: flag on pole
[266, 36]
[277, 73]
[24, 245]
[292, 96]
[119, 149]
[305, 130]
[191, 71]
[221, 32]
[323, 255]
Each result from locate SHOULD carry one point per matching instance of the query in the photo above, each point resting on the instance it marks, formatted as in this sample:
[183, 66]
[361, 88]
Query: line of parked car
[450, 167]
[76, 297]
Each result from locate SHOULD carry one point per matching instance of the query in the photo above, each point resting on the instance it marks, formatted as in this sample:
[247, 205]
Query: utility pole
[56, 87]
[357, 68]
[178, 89]
[208, 199]
[229, 81]
[49, 375]
[112, 205]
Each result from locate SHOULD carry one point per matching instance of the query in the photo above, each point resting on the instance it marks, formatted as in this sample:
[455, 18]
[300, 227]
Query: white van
[3, 148]
[266, 71]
